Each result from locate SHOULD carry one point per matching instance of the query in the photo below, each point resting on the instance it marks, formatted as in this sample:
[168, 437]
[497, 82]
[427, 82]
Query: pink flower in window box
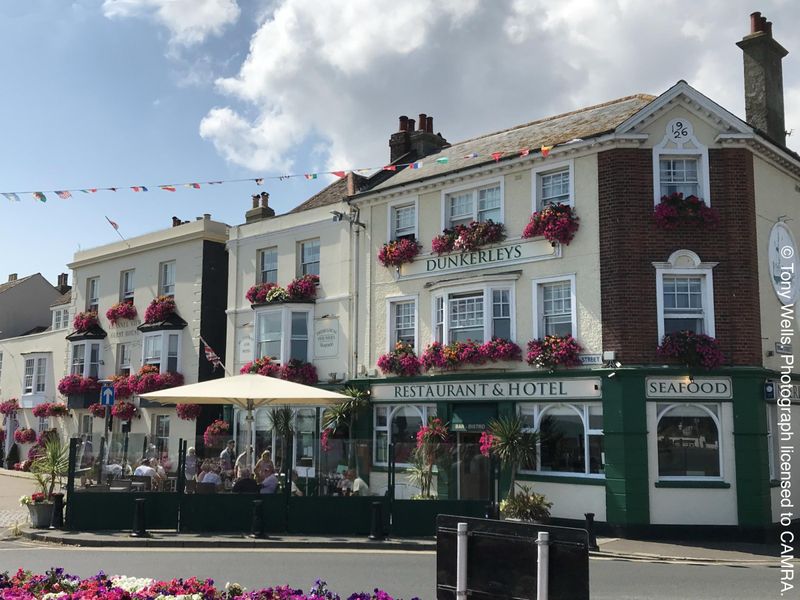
[554, 351]
[303, 289]
[159, 309]
[73, 385]
[693, 349]
[84, 321]
[400, 361]
[556, 222]
[398, 252]
[258, 294]
[120, 311]
[674, 211]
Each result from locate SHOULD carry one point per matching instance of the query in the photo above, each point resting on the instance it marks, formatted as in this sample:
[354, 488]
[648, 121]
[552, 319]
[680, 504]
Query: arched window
[398, 424]
[570, 438]
[688, 440]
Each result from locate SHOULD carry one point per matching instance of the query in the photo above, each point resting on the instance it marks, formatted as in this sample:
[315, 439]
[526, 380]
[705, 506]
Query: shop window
[85, 360]
[162, 350]
[93, 294]
[403, 221]
[402, 322]
[283, 334]
[476, 315]
[685, 294]
[309, 257]
[554, 306]
[474, 203]
[553, 184]
[268, 265]
[688, 441]
[126, 286]
[399, 425]
[570, 438]
[166, 278]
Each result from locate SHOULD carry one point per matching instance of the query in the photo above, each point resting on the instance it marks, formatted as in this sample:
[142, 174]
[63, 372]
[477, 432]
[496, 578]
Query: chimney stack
[763, 79]
[12, 277]
[175, 221]
[63, 286]
[260, 210]
[414, 142]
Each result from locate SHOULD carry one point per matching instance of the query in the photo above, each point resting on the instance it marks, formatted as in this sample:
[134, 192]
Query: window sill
[571, 479]
[693, 484]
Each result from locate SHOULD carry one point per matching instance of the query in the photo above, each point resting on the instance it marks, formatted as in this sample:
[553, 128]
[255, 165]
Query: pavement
[14, 522]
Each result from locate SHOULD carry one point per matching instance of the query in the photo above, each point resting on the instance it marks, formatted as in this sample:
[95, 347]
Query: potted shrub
[692, 349]
[509, 441]
[49, 469]
[554, 351]
[526, 505]
[402, 360]
[556, 222]
[121, 310]
[674, 210]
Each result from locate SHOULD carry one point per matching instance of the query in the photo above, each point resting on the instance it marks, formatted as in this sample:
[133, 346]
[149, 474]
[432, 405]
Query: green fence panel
[333, 515]
[417, 518]
[231, 513]
[113, 511]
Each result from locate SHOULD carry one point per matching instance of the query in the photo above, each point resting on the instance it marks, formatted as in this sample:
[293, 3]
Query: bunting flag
[196, 186]
[472, 155]
[525, 152]
[497, 156]
[90, 191]
[39, 196]
[113, 189]
[339, 174]
[310, 176]
[443, 160]
[546, 151]
[390, 168]
[259, 180]
[211, 356]
[63, 194]
[168, 188]
[139, 188]
[11, 196]
[112, 223]
[415, 165]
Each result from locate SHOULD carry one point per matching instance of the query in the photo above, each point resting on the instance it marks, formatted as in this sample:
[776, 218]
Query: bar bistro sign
[682, 387]
[506, 254]
[538, 389]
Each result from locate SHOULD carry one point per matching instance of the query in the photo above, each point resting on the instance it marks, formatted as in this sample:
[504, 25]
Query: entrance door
[473, 468]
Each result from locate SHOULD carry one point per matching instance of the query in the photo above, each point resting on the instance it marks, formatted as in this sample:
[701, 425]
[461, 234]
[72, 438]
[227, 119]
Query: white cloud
[189, 21]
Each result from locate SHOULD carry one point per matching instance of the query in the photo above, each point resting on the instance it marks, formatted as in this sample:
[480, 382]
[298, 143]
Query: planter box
[41, 514]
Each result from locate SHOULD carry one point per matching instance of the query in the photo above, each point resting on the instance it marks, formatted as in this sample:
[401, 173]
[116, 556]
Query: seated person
[148, 468]
[270, 483]
[213, 476]
[358, 487]
[246, 484]
[295, 490]
[113, 470]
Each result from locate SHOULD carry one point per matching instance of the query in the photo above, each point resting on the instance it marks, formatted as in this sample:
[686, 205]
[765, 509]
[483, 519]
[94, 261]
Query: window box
[72, 385]
[149, 379]
[121, 310]
[554, 351]
[159, 310]
[557, 223]
[469, 237]
[401, 361]
[295, 370]
[459, 354]
[398, 252]
[85, 321]
[692, 349]
[302, 289]
[675, 211]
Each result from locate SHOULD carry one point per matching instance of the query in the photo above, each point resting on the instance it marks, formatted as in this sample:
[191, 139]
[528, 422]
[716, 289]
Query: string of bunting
[65, 194]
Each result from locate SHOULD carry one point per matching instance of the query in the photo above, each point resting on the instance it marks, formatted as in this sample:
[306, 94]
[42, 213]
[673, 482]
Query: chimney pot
[403, 123]
[411, 124]
[755, 20]
[206, 216]
[264, 200]
[12, 277]
[429, 125]
[175, 221]
[768, 28]
[423, 119]
[255, 200]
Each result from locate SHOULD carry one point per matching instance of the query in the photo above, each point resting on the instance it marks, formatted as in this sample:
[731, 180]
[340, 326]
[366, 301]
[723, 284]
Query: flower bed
[124, 411]
[400, 361]
[84, 321]
[159, 309]
[55, 584]
[674, 210]
[188, 412]
[25, 436]
[398, 252]
[50, 409]
[556, 222]
[97, 410]
[458, 354]
[692, 349]
[216, 434]
[9, 406]
[554, 351]
[73, 385]
[295, 370]
[466, 238]
[120, 311]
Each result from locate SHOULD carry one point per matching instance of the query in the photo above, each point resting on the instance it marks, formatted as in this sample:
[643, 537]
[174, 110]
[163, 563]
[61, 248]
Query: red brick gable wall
[630, 242]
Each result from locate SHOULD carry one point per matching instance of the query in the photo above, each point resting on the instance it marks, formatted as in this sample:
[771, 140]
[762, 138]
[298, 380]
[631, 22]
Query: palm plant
[346, 413]
[513, 445]
[282, 419]
[50, 466]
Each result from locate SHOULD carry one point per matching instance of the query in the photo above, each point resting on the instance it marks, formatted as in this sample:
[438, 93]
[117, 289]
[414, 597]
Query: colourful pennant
[310, 176]
[259, 180]
[11, 196]
[525, 152]
[443, 160]
[497, 156]
[472, 155]
[339, 174]
[390, 168]
[415, 165]
[39, 196]
[139, 188]
[196, 186]
[546, 151]
[168, 188]
[63, 194]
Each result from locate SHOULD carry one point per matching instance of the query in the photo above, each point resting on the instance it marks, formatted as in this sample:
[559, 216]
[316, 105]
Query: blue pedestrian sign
[107, 393]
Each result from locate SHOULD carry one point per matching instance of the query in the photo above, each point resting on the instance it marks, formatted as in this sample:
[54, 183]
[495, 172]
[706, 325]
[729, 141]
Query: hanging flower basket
[401, 361]
[554, 351]
[73, 385]
[188, 412]
[216, 434]
[159, 309]
[97, 410]
[692, 349]
[84, 321]
[303, 289]
[9, 407]
[556, 222]
[467, 238]
[459, 354]
[399, 252]
[124, 411]
[120, 311]
[25, 436]
[675, 211]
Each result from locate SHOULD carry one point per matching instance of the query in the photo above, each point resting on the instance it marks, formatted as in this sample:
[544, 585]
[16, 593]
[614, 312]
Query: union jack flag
[211, 356]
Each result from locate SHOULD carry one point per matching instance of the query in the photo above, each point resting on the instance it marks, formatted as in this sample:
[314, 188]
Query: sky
[123, 93]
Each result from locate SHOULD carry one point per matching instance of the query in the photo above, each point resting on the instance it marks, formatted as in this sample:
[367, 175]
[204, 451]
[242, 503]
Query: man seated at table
[295, 490]
[270, 483]
[246, 484]
[358, 487]
[211, 475]
[148, 468]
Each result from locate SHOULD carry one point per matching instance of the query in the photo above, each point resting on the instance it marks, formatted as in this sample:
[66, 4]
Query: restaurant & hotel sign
[539, 389]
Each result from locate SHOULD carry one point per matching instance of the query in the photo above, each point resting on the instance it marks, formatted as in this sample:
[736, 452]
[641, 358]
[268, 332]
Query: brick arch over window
[630, 243]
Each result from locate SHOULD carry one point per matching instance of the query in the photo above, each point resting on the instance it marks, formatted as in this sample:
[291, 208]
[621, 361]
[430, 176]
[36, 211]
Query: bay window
[688, 441]
[477, 315]
[283, 333]
[162, 350]
[85, 359]
[398, 424]
[481, 203]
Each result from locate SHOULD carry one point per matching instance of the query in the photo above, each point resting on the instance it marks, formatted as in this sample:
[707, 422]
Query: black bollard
[57, 520]
[590, 530]
[139, 529]
[376, 526]
[257, 521]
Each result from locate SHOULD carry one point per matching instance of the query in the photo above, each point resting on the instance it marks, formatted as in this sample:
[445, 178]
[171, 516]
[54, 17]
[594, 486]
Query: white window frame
[687, 263]
[717, 418]
[260, 258]
[121, 354]
[474, 186]
[286, 324]
[425, 411]
[60, 318]
[164, 347]
[392, 208]
[538, 303]
[488, 318]
[165, 270]
[93, 295]
[391, 338]
[581, 409]
[688, 146]
[127, 294]
[37, 377]
[155, 432]
[85, 424]
[87, 356]
[547, 169]
[301, 265]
